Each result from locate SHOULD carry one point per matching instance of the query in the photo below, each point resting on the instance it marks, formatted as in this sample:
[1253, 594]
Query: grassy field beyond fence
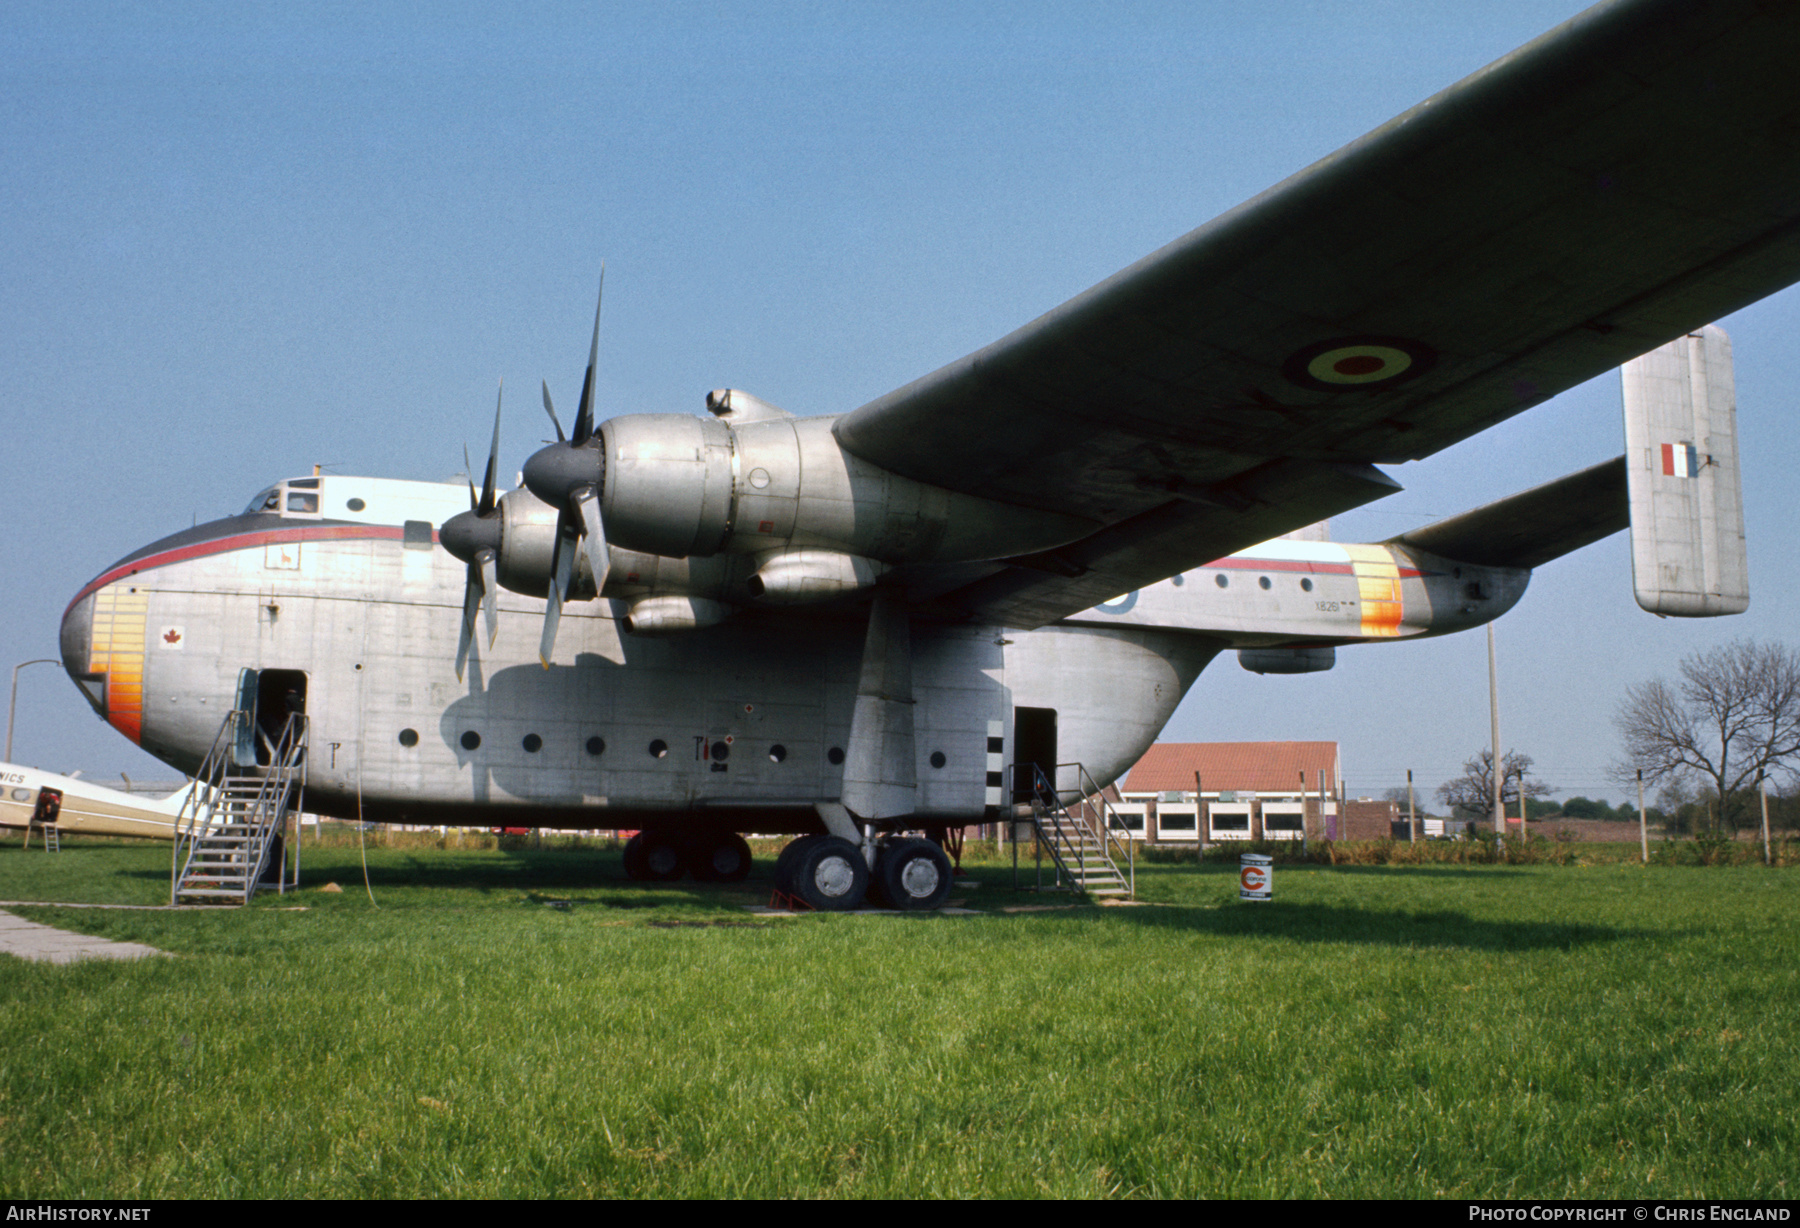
[520, 1022]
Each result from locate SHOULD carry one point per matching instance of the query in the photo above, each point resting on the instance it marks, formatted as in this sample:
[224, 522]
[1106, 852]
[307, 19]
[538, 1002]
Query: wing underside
[1631, 175]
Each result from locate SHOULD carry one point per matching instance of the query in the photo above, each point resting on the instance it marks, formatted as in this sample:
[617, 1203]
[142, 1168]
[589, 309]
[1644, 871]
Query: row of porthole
[1224, 581]
[658, 748]
[1263, 582]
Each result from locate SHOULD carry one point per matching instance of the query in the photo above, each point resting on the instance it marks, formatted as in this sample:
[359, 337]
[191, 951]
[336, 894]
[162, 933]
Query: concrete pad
[46, 944]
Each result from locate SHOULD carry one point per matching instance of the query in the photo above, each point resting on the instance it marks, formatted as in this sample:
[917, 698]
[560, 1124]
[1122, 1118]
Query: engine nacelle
[673, 615]
[676, 485]
[527, 537]
[1287, 660]
[793, 576]
[528, 531]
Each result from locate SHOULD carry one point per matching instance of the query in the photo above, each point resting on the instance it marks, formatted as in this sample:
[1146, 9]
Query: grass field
[516, 1023]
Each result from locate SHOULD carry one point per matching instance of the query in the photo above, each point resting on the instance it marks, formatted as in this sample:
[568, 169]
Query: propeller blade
[587, 504]
[470, 601]
[562, 565]
[487, 482]
[551, 410]
[584, 415]
[552, 616]
[490, 588]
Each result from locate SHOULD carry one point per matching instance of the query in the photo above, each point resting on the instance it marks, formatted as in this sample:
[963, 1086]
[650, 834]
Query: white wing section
[1687, 504]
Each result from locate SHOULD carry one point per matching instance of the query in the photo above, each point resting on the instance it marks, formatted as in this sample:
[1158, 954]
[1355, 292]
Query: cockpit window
[268, 501]
[303, 501]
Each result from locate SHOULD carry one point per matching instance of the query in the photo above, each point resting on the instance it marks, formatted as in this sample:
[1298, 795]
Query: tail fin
[173, 803]
[1687, 505]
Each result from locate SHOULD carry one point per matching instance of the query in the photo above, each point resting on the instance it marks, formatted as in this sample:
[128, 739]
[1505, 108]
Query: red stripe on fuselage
[1317, 569]
[240, 541]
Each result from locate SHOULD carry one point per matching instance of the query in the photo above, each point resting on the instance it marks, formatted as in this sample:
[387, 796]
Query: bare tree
[1474, 789]
[1733, 719]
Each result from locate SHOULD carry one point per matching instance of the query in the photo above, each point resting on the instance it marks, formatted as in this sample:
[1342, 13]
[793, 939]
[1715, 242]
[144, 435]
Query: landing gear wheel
[635, 868]
[664, 858]
[831, 875]
[914, 875]
[784, 862]
[723, 857]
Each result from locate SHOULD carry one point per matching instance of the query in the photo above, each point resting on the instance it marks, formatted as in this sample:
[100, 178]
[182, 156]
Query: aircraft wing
[1629, 176]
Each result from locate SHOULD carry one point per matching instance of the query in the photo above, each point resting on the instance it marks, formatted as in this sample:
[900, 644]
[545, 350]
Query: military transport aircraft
[894, 618]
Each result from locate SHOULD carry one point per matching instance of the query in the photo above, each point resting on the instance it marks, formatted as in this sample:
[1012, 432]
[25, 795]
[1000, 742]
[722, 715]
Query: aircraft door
[243, 746]
[1034, 742]
[280, 694]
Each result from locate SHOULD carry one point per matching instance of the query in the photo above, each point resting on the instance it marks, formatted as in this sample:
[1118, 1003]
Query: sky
[240, 240]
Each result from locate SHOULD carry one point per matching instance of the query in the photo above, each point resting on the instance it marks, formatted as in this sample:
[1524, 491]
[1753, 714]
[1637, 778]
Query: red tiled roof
[1265, 767]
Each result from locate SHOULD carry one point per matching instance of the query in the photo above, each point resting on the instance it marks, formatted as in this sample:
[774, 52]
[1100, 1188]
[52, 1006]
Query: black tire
[664, 858]
[635, 869]
[723, 857]
[784, 862]
[831, 875]
[915, 875]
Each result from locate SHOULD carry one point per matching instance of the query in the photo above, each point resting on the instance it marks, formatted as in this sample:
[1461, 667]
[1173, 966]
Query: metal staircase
[229, 830]
[1086, 841]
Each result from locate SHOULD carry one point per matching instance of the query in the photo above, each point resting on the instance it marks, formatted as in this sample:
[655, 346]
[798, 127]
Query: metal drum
[1256, 877]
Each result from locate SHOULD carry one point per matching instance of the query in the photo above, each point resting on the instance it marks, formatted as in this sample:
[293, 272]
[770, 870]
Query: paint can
[1256, 877]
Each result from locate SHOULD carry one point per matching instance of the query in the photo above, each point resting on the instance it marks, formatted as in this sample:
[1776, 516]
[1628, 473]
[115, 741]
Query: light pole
[13, 705]
[1494, 714]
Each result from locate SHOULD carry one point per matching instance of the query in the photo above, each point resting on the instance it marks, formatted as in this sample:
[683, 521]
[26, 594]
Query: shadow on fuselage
[532, 728]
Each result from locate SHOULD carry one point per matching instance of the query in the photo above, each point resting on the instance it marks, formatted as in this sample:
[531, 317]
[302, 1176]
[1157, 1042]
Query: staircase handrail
[194, 818]
[274, 797]
[1071, 859]
[1113, 833]
[287, 758]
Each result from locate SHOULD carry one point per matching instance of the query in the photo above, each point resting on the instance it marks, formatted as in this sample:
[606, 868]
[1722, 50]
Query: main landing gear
[711, 857]
[828, 873]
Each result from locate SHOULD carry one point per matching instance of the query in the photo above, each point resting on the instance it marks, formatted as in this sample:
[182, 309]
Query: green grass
[516, 1023]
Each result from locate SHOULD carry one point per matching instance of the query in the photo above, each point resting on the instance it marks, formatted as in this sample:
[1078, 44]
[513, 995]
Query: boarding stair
[228, 834]
[1084, 838]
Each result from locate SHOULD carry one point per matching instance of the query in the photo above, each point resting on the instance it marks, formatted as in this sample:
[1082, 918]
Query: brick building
[1185, 792]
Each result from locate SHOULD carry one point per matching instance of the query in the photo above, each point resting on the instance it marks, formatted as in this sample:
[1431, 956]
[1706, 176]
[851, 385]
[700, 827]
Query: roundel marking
[1349, 363]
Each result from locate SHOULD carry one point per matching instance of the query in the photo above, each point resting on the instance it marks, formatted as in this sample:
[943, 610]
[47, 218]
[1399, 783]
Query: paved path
[29, 940]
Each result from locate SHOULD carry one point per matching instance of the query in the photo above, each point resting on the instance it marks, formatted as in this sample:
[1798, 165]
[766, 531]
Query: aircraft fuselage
[743, 725]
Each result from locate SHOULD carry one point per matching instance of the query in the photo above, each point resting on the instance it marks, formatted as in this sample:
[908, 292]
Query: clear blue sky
[237, 240]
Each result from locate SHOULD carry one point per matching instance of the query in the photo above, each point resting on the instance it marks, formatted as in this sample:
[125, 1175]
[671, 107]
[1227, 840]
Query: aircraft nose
[76, 643]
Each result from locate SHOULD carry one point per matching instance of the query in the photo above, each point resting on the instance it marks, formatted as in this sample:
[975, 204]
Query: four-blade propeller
[569, 476]
[474, 537]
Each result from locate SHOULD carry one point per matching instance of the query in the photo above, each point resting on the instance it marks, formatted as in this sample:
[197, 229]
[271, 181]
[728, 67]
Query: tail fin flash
[1687, 505]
